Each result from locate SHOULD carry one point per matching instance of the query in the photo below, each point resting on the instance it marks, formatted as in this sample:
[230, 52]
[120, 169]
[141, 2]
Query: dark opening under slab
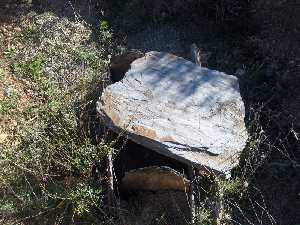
[135, 156]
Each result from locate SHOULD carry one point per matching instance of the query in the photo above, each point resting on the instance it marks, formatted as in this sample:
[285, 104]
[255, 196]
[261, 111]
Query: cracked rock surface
[179, 109]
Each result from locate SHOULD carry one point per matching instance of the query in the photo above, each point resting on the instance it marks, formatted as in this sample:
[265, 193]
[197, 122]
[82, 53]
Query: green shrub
[31, 68]
[105, 36]
[203, 217]
[8, 105]
[9, 52]
[85, 197]
[1, 73]
[50, 167]
[232, 186]
[50, 153]
[31, 32]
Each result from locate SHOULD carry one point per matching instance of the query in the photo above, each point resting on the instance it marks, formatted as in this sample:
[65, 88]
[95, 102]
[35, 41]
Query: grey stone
[178, 109]
[8, 92]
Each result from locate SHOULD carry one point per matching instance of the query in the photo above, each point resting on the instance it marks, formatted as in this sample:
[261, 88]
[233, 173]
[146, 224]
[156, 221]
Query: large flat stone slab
[179, 109]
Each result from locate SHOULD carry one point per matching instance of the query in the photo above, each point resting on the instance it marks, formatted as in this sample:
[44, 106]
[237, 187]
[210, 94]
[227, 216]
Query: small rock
[18, 29]
[246, 184]
[8, 92]
[4, 30]
[3, 137]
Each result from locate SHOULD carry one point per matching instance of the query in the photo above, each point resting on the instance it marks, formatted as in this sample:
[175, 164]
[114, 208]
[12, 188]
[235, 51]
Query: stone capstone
[178, 109]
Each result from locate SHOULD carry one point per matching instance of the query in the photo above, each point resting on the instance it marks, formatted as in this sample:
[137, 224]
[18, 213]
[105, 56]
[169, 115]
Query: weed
[105, 34]
[31, 32]
[35, 67]
[87, 56]
[231, 187]
[85, 197]
[6, 206]
[203, 217]
[31, 68]
[9, 105]
[2, 74]
[9, 52]
[54, 105]
[103, 25]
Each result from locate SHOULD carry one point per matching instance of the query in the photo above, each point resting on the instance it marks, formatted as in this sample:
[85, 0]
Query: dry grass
[51, 67]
